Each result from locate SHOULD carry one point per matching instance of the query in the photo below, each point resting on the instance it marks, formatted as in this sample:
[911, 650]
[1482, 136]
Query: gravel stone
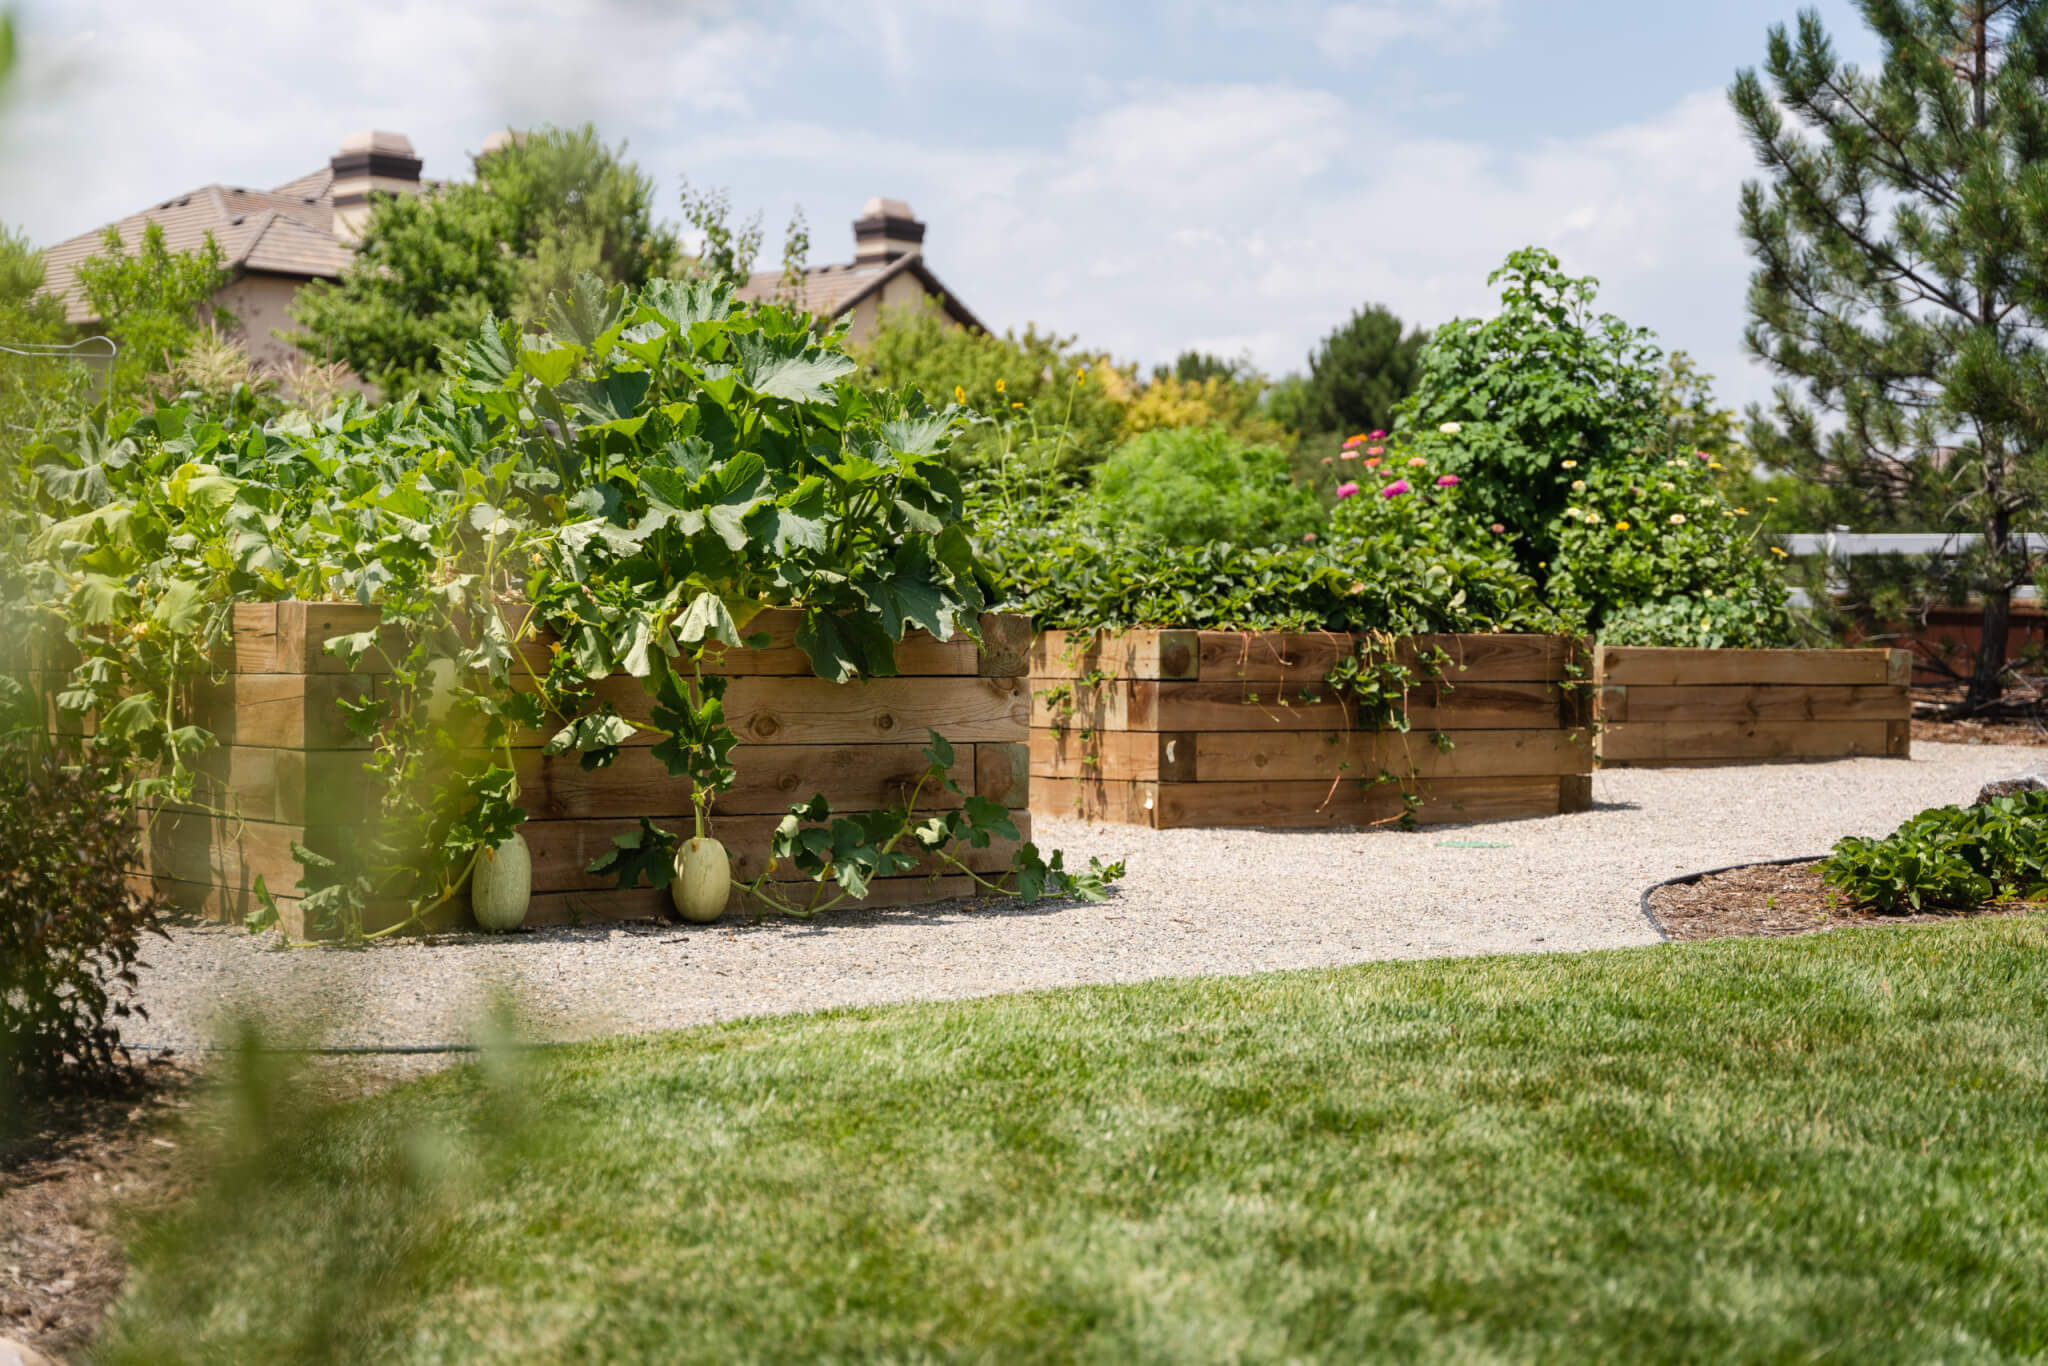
[1194, 902]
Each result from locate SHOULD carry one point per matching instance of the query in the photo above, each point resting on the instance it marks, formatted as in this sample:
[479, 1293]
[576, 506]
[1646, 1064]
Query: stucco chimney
[366, 162]
[886, 230]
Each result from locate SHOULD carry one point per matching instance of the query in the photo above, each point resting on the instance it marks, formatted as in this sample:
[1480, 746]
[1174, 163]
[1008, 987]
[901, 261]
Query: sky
[1234, 176]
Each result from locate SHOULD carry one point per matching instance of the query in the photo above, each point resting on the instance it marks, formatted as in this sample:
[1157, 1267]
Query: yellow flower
[1742, 512]
[1677, 519]
[1016, 405]
[1000, 386]
[1621, 526]
[1715, 465]
[1571, 464]
[1770, 500]
[959, 394]
[1775, 550]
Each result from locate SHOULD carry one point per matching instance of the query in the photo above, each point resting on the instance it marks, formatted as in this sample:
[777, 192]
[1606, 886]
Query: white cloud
[1354, 32]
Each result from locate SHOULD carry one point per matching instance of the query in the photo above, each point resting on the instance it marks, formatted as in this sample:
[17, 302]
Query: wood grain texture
[1230, 705]
[1118, 654]
[1649, 743]
[1756, 702]
[1002, 773]
[1632, 665]
[769, 778]
[811, 711]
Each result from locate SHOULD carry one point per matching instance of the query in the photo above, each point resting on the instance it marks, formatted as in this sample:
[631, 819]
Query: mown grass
[1830, 1148]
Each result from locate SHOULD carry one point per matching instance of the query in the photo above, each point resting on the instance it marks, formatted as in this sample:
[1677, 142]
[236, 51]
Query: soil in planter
[1781, 899]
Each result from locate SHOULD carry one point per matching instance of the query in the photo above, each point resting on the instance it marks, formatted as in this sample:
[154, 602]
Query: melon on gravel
[502, 885]
[703, 880]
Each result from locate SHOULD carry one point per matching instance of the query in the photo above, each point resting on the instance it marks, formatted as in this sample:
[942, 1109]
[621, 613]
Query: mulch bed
[66, 1181]
[1780, 899]
[2021, 719]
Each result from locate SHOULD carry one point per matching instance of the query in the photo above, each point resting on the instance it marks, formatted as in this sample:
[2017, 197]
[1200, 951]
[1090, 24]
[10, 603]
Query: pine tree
[1357, 375]
[1902, 276]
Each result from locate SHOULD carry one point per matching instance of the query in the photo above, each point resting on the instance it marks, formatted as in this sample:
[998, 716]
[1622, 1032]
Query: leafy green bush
[70, 928]
[1561, 425]
[1186, 486]
[1949, 856]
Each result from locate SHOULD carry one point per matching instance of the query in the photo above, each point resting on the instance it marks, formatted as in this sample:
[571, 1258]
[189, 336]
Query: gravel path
[1195, 901]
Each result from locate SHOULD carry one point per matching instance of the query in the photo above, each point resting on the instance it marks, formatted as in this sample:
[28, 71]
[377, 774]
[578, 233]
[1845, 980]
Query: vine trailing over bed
[634, 484]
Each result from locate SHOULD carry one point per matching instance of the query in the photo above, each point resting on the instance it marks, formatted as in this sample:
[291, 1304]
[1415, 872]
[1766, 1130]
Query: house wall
[261, 305]
[900, 292]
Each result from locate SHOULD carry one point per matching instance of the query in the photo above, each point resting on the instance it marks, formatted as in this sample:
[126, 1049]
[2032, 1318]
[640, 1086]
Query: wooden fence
[1221, 728]
[288, 769]
[1667, 708]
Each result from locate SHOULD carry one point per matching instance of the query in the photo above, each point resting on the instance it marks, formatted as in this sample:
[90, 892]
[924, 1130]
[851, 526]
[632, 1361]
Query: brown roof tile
[286, 231]
[829, 291]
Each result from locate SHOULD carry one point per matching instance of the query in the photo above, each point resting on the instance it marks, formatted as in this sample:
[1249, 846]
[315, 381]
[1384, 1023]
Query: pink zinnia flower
[1372, 462]
[1308, 538]
[1346, 490]
[1375, 450]
[1393, 490]
[1351, 441]
[1326, 460]
[1348, 455]
[1701, 455]
[1446, 481]
[1497, 529]
[1416, 462]
[1377, 436]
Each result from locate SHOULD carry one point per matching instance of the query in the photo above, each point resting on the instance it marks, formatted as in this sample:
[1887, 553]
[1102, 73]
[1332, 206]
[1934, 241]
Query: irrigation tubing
[430, 1049]
[1687, 879]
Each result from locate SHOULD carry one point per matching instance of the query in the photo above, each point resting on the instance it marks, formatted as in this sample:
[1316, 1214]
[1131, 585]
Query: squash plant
[638, 480]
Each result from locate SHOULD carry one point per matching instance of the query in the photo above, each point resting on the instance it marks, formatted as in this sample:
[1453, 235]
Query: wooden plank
[1765, 702]
[1119, 801]
[1505, 658]
[1633, 665]
[1224, 756]
[1648, 743]
[1005, 645]
[770, 778]
[1271, 657]
[283, 711]
[1206, 706]
[811, 711]
[1575, 793]
[1002, 773]
[1117, 654]
[918, 654]
[220, 851]
[1070, 752]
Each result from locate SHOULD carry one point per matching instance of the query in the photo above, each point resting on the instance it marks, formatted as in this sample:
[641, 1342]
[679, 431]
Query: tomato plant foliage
[639, 479]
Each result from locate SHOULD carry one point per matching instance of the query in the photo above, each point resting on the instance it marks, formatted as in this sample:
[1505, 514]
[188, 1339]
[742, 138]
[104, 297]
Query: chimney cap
[501, 139]
[378, 142]
[879, 207]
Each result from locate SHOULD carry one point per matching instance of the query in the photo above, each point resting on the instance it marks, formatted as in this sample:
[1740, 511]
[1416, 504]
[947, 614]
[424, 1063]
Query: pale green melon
[502, 885]
[703, 880]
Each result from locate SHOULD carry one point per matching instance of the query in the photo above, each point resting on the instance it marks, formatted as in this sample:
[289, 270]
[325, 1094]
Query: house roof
[285, 231]
[830, 291]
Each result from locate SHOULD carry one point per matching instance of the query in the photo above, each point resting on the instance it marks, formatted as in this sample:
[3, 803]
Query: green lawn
[1832, 1148]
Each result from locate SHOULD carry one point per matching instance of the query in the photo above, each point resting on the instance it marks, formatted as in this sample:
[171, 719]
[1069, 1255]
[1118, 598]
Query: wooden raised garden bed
[288, 768]
[1669, 708]
[1222, 728]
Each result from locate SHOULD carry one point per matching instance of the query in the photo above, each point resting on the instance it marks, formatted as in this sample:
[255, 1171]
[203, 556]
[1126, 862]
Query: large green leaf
[786, 367]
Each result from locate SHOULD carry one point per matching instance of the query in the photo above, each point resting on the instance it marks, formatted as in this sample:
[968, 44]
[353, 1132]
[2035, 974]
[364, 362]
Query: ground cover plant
[1708, 1152]
[1949, 856]
[637, 481]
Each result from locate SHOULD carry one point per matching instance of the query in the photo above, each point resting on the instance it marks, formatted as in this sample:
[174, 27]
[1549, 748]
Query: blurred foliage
[1184, 486]
[70, 928]
[155, 302]
[1079, 397]
[1356, 376]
